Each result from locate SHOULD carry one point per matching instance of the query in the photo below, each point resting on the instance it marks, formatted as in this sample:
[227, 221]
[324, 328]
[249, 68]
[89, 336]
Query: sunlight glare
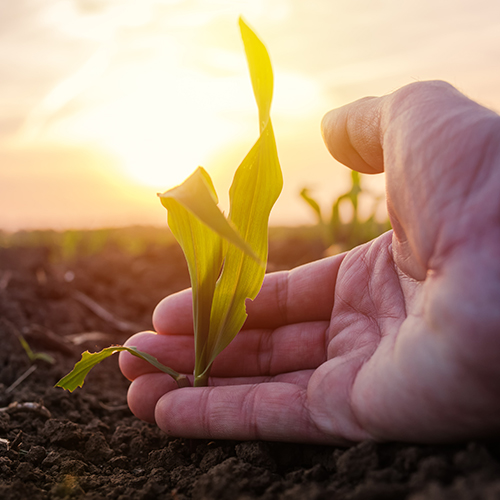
[173, 109]
[296, 95]
[163, 130]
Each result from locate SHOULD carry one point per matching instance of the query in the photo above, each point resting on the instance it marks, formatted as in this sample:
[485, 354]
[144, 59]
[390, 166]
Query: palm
[398, 339]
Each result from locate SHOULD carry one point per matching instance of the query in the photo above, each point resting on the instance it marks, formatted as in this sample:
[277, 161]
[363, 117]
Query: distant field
[332, 233]
[137, 239]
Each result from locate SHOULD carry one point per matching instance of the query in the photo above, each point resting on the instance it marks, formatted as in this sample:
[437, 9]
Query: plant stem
[202, 380]
[182, 381]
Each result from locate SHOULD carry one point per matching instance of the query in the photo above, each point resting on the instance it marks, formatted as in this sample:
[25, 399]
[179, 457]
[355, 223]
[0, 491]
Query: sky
[104, 103]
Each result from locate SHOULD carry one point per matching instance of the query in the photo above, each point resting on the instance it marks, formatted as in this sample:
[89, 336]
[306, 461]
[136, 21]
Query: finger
[174, 314]
[252, 353]
[274, 411]
[352, 135]
[357, 134]
[303, 294]
[145, 391]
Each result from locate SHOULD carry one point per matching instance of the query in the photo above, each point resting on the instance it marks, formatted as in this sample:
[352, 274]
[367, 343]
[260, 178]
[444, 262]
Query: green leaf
[256, 187]
[304, 194]
[261, 72]
[197, 196]
[199, 227]
[33, 356]
[76, 377]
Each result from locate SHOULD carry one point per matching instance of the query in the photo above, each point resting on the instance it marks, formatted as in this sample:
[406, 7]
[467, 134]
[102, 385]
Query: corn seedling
[34, 356]
[226, 257]
[355, 231]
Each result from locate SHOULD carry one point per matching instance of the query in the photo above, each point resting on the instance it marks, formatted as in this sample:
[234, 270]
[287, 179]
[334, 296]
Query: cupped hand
[398, 339]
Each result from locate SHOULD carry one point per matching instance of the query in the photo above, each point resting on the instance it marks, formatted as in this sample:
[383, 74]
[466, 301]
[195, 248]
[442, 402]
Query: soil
[87, 445]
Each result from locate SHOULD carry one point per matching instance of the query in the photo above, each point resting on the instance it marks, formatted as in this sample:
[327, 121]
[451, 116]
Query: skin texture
[398, 339]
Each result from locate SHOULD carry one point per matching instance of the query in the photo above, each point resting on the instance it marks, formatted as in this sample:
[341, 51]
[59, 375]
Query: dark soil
[87, 445]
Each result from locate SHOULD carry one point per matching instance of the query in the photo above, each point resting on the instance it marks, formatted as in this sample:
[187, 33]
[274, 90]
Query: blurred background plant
[338, 235]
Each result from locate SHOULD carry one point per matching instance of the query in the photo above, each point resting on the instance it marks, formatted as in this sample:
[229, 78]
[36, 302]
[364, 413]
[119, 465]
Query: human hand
[398, 339]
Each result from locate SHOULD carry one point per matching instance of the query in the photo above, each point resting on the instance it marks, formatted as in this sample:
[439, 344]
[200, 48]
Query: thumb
[353, 137]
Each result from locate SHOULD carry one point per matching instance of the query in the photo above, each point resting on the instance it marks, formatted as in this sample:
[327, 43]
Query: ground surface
[87, 445]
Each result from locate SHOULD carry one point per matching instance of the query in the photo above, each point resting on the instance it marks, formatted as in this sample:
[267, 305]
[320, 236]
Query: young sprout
[33, 356]
[356, 231]
[226, 257]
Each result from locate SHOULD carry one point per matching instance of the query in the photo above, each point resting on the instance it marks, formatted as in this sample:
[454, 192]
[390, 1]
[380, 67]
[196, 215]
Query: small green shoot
[355, 231]
[33, 356]
[226, 257]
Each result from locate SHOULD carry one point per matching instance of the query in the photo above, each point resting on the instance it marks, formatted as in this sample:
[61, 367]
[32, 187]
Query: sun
[162, 127]
[162, 137]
